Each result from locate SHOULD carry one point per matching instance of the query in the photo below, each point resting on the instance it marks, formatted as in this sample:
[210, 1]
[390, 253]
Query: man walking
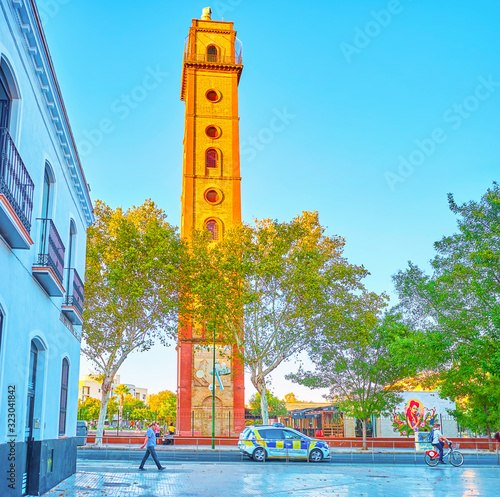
[438, 441]
[150, 444]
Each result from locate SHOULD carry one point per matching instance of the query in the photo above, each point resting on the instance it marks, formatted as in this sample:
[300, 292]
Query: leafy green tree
[357, 362]
[130, 404]
[290, 397]
[142, 414]
[133, 268]
[121, 390]
[457, 307]
[89, 409]
[168, 409]
[262, 288]
[477, 397]
[164, 404]
[275, 406]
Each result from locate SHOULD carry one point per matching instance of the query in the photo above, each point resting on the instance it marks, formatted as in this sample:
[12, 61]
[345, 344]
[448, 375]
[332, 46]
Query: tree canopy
[164, 403]
[357, 362]
[131, 287]
[276, 407]
[262, 287]
[457, 309]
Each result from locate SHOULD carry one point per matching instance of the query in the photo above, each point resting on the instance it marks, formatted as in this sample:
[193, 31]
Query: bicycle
[454, 456]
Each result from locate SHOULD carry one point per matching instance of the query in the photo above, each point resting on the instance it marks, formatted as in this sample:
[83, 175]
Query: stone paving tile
[120, 479]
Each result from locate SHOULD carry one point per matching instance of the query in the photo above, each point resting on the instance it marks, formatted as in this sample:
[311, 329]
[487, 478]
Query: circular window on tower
[213, 132]
[213, 95]
[213, 196]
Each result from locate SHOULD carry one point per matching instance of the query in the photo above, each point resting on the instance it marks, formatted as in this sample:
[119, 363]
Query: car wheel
[315, 455]
[259, 454]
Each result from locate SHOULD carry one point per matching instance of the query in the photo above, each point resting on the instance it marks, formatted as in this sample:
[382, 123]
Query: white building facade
[45, 210]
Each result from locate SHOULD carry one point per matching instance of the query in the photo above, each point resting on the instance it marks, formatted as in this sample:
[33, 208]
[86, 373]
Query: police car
[261, 442]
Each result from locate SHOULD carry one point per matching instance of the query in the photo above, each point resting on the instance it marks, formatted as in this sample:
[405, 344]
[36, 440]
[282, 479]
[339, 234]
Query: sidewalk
[234, 448]
[122, 479]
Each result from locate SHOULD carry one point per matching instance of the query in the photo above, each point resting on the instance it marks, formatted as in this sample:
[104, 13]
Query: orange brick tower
[211, 199]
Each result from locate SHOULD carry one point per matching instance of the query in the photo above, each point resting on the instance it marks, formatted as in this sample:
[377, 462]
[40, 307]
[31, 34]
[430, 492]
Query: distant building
[90, 387]
[45, 210]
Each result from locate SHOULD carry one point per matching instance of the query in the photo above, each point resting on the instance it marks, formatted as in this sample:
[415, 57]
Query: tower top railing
[213, 59]
[236, 58]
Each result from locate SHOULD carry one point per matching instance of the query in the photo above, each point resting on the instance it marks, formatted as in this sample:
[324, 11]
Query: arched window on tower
[213, 229]
[211, 158]
[212, 53]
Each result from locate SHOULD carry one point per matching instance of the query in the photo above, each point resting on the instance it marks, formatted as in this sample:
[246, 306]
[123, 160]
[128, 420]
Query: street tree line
[274, 289]
[161, 407]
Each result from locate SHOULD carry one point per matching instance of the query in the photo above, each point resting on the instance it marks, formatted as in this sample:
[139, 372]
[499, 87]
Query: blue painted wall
[41, 133]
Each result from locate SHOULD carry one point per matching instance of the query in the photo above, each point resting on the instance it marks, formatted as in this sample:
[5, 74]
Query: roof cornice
[38, 52]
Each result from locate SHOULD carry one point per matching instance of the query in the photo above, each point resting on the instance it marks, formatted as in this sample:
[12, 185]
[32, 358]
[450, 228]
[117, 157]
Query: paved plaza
[276, 478]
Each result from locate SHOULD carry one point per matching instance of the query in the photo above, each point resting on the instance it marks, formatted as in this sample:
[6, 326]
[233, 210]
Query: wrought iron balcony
[72, 307]
[16, 195]
[213, 59]
[49, 267]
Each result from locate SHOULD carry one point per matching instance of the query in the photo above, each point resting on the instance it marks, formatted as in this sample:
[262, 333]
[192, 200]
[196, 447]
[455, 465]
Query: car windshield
[246, 433]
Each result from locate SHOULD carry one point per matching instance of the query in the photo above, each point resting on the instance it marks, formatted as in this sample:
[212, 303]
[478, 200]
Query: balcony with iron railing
[213, 58]
[16, 195]
[72, 307]
[48, 269]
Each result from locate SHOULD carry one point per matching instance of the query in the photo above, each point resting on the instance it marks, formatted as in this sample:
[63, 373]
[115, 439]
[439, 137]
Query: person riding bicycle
[438, 441]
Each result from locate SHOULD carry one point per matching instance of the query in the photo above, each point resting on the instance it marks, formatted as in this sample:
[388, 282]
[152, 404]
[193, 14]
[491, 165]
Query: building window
[64, 397]
[213, 196]
[213, 229]
[213, 132]
[5, 101]
[212, 53]
[30, 413]
[1, 330]
[211, 158]
[213, 96]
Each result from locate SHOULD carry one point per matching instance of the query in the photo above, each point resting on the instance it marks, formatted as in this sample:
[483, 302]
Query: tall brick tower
[211, 199]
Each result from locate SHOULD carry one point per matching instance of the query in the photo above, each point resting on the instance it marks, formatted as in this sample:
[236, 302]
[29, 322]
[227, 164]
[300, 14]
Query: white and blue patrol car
[261, 442]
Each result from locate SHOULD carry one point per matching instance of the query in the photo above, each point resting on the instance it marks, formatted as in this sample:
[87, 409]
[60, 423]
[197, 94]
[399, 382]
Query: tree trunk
[259, 382]
[363, 425]
[264, 409]
[106, 391]
[488, 429]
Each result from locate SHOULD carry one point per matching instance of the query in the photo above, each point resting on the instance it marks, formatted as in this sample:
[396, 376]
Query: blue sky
[384, 106]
